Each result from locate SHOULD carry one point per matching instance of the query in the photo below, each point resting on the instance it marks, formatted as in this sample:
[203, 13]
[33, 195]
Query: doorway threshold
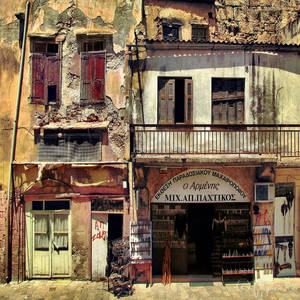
[193, 278]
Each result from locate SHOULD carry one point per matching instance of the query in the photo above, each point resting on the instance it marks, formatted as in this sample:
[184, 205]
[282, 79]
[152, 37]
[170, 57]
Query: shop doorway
[199, 238]
[115, 226]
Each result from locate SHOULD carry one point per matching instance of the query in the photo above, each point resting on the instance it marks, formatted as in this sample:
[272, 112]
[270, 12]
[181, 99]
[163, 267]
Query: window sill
[78, 125]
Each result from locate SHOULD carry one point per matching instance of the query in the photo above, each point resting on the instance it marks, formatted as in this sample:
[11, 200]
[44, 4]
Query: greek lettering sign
[200, 186]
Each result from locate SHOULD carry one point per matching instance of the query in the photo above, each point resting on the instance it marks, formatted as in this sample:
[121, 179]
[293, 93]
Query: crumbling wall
[254, 20]
[114, 21]
[240, 21]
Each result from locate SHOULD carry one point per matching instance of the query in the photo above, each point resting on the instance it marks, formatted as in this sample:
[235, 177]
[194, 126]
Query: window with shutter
[92, 77]
[228, 100]
[175, 100]
[46, 66]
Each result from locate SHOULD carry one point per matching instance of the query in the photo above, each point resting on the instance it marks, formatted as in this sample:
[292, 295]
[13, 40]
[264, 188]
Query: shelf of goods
[237, 256]
[263, 255]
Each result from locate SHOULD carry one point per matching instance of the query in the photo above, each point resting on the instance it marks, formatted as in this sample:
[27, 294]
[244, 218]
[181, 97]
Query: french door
[51, 244]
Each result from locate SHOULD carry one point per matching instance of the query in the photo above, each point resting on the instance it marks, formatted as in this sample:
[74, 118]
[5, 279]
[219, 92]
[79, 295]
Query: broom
[166, 267]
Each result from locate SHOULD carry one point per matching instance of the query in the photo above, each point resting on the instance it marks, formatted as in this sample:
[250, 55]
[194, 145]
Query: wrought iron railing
[199, 139]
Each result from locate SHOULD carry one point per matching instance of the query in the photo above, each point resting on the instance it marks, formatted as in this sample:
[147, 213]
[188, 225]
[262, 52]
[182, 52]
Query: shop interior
[200, 235]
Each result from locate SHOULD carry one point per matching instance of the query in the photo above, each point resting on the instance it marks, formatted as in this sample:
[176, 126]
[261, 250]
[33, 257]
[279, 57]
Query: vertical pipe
[13, 147]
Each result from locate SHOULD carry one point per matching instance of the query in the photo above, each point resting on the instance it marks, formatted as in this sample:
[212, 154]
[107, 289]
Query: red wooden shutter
[38, 78]
[53, 78]
[188, 101]
[92, 76]
[86, 76]
[99, 74]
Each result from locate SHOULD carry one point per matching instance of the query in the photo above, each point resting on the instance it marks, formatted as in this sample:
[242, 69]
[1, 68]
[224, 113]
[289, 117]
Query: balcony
[255, 141]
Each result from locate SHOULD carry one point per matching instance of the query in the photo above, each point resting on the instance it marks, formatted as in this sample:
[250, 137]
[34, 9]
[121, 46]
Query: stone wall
[253, 20]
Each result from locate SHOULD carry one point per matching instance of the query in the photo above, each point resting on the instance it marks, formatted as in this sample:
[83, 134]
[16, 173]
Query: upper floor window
[170, 31]
[199, 32]
[46, 72]
[92, 71]
[70, 145]
[228, 100]
[175, 100]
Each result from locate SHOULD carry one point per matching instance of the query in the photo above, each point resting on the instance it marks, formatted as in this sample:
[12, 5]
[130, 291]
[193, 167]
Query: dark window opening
[90, 46]
[199, 33]
[179, 101]
[52, 48]
[171, 32]
[51, 205]
[115, 225]
[52, 93]
[228, 100]
[56, 205]
[175, 97]
[37, 205]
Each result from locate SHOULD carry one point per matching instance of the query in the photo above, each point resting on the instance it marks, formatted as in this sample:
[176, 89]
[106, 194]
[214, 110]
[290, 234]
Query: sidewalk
[285, 289]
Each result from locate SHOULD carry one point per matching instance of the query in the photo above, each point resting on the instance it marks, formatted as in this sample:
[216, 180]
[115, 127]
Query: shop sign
[200, 186]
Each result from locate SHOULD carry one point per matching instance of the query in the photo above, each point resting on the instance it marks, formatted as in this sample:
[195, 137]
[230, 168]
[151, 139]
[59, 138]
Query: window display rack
[141, 241]
[237, 251]
[263, 255]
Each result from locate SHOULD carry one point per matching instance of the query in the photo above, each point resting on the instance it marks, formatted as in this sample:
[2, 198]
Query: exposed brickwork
[2, 235]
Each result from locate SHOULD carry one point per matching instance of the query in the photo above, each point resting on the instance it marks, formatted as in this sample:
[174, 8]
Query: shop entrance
[199, 238]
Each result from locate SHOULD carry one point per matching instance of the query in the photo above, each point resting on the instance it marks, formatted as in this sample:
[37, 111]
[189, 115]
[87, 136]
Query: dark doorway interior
[115, 225]
[200, 238]
[179, 100]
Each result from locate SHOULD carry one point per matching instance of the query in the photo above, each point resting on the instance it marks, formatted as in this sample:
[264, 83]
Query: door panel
[41, 247]
[99, 245]
[60, 245]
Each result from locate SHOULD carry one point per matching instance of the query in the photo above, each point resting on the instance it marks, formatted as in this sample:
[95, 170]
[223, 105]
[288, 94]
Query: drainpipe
[13, 149]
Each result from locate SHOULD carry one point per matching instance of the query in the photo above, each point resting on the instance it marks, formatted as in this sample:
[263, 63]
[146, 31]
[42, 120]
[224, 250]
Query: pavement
[283, 288]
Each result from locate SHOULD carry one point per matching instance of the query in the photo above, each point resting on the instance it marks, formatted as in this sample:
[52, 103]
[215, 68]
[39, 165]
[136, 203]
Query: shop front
[205, 218]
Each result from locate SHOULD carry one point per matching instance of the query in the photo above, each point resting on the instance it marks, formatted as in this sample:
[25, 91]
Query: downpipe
[12, 152]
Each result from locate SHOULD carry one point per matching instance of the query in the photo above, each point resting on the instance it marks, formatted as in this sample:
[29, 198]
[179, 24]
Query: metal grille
[68, 146]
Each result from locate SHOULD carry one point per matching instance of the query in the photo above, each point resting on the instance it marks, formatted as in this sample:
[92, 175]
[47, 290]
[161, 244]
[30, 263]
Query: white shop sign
[200, 186]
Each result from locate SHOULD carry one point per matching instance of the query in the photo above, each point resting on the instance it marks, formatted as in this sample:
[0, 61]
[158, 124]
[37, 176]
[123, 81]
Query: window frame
[164, 84]
[174, 26]
[199, 27]
[47, 58]
[229, 100]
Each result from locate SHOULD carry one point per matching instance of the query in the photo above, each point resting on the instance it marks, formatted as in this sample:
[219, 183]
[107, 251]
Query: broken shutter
[38, 78]
[166, 101]
[92, 76]
[53, 75]
[188, 100]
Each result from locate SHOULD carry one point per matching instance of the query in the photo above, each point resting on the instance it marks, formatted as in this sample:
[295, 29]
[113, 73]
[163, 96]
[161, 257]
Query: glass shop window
[171, 32]
[199, 33]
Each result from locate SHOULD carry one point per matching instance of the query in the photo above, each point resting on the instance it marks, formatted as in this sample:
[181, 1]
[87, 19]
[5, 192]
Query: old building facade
[166, 122]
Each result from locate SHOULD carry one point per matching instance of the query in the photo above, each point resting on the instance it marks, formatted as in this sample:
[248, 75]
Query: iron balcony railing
[199, 139]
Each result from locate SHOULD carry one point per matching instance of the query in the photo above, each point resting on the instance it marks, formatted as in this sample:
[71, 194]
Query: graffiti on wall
[100, 231]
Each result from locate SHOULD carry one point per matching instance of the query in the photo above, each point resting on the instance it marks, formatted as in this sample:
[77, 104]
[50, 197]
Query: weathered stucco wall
[81, 237]
[271, 89]
[114, 21]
